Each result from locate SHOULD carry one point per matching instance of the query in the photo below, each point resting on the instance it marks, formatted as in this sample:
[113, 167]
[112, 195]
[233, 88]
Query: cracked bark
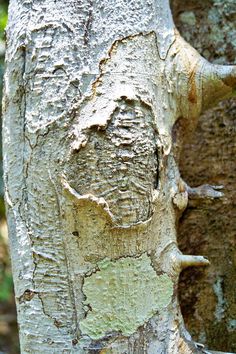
[91, 172]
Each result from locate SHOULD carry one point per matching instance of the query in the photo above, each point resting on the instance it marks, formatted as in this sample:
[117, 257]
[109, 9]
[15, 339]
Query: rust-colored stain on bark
[104, 61]
[192, 93]
[230, 81]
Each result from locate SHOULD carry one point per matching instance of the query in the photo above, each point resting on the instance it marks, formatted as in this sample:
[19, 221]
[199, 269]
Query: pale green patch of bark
[122, 295]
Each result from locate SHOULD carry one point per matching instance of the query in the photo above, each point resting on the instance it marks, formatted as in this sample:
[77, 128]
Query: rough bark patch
[120, 164]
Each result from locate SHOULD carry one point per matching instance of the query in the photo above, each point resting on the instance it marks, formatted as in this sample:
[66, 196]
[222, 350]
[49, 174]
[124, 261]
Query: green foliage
[6, 283]
[2, 205]
[3, 20]
[6, 286]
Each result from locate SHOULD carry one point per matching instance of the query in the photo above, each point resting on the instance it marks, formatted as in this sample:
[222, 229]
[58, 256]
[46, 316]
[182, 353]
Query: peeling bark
[99, 98]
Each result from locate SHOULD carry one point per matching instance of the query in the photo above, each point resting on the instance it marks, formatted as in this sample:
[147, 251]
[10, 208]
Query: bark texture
[208, 296]
[99, 97]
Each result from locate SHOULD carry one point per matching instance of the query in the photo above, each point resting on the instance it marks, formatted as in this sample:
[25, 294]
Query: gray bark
[99, 97]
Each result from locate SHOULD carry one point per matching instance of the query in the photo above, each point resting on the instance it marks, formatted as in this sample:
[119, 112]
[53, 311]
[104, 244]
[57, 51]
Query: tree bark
[207, 295]
[99, 97]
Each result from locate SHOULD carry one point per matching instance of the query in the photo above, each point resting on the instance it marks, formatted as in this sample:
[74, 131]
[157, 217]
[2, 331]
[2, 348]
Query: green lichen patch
[123, 295]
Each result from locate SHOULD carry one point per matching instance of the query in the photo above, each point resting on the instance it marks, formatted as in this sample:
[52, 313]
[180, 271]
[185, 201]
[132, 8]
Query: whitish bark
[99, 96]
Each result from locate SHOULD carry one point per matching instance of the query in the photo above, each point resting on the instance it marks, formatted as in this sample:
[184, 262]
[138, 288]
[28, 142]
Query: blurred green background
[8, 327]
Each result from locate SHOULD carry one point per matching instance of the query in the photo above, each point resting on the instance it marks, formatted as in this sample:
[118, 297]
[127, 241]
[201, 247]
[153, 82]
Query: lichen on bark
[122, 302]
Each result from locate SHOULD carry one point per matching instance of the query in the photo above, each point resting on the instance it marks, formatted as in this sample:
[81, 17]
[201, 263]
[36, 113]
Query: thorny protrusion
[207, 83]
[218, 82]
[205, 191]
[186, 261]
[202, 192]
[180, 261]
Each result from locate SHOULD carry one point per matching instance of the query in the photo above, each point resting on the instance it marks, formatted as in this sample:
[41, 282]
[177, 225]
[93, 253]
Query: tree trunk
[99, 97]
[207, 295]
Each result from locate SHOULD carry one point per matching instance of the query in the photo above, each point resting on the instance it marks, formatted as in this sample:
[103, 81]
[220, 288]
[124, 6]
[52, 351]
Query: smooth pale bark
[99, 97]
